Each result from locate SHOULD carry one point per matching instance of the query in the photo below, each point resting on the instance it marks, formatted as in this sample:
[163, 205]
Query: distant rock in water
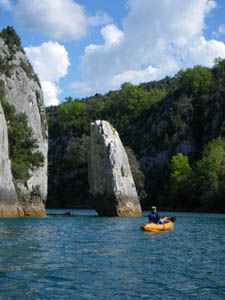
[110, 179]
[23, 133]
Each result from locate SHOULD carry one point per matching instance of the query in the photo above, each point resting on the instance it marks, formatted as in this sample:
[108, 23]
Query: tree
[11, 38]
[219, 71]
[209, 174]
[76, 154]
[179, 170]
[192, 81]
[22, 146]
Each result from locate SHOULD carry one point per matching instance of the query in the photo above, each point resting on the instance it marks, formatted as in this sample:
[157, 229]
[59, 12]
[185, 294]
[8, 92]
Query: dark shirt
[154, 217]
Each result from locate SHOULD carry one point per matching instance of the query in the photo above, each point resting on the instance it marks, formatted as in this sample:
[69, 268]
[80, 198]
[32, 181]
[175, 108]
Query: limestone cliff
[19, 87]
[110, 179]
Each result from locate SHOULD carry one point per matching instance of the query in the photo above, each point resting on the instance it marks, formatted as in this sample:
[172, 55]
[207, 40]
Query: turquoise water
[88, 257]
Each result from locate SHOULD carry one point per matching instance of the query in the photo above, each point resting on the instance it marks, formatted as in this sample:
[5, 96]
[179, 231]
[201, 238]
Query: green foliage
[121, 108]
[28, 69]
[209, 173]
[76, 154]
[179, 170]
[213, 156]
[5, 67]
[205, 180]
[71, 112]
[11, 39]
[219, 73]
[195, 80]
[2, 90]
[219, 63]
[13, 42]
[36, 191]
[22, 146]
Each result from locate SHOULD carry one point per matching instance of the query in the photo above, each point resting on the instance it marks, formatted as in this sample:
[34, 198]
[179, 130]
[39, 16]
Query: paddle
[173, 219]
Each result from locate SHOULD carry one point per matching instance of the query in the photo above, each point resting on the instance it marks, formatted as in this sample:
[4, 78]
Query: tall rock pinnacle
[110, 179]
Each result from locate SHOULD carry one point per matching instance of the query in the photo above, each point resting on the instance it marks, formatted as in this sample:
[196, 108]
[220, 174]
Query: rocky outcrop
[21, 89]
[110, 179]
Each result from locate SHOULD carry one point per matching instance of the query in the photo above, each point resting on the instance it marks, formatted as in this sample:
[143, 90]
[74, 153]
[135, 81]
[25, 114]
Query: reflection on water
[91, 257]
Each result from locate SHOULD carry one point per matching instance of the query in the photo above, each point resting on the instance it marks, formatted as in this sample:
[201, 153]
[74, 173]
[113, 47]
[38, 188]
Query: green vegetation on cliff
[173, 126]
[201, 187]
[12, 40]
[22, 146]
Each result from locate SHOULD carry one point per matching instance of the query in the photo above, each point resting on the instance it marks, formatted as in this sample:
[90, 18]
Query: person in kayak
[154, 217]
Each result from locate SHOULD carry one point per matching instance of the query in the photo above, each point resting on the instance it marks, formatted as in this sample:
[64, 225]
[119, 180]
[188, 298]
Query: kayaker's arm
[164, 219]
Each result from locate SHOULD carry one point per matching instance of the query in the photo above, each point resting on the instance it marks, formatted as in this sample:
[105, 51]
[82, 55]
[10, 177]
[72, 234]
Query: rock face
[110, 179]
[21, 89]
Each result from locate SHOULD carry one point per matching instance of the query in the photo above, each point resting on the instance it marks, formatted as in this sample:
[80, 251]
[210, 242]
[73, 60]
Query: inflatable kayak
[152, 227]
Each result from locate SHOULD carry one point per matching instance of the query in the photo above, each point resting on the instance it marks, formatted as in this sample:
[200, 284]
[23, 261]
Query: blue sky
[82, 47]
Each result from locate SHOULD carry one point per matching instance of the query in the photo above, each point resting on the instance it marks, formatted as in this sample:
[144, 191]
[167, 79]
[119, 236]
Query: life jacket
[153, 218]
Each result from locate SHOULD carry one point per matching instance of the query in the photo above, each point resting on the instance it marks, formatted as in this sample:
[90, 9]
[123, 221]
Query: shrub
[22, 146]
[12, 40]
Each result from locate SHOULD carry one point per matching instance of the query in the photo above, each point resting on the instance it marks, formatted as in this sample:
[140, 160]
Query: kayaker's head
[154, 209]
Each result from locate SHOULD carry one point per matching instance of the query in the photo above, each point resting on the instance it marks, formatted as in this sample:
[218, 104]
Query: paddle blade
[173, 219]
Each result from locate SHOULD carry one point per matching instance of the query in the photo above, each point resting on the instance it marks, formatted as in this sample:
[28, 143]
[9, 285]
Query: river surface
[91, 257]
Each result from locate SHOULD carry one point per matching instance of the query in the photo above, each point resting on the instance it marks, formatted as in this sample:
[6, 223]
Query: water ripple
[87, 257]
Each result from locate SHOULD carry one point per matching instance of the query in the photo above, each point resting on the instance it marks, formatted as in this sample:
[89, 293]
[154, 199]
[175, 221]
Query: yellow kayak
[152, 227]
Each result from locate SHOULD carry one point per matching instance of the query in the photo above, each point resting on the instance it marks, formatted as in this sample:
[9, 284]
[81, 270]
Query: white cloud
[59, 19]
[171, 20]
[204, 52]
[158, 38]
[51, 92]
[112, 35]
[135, 76]
[50, 61]
[5, 4]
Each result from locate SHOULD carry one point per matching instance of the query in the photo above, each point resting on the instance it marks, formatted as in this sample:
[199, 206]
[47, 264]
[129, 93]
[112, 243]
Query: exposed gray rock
[22, 89]
[160, 127]
[162, 158]
[215, 122]
[110, 179]
[9, 205]
[185, 147]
